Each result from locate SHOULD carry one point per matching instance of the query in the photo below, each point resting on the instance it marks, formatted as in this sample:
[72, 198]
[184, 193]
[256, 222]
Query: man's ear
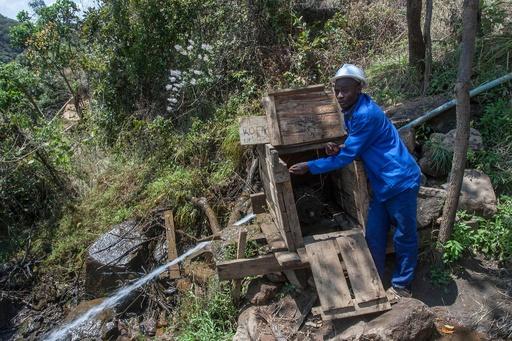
[359, 87]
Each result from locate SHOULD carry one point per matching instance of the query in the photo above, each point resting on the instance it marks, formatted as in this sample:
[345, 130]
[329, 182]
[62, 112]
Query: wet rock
[409, 319]
[160, 251]
[261, 291]
[93, 328]
[115, 257]
[477, 195]
[430, 206]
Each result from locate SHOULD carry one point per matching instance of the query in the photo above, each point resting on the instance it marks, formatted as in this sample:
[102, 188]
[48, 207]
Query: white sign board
[253, 130]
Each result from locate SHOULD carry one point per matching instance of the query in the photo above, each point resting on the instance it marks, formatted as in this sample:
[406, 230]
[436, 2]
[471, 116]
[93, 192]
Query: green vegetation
[206, 317]
[496, 158]
[492, 237]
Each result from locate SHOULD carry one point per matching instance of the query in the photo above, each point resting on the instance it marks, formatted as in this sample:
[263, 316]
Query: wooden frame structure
[298, 122]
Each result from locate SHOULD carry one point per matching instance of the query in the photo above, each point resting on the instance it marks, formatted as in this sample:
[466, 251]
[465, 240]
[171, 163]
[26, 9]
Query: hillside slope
[7, 53]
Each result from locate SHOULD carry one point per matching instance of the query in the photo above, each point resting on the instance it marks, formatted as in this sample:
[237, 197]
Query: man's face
[347, 90]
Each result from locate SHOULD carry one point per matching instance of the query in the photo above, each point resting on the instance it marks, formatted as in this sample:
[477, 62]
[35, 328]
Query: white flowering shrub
[199, 72]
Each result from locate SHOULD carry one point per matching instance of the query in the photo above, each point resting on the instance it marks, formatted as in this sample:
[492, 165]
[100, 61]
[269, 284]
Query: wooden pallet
[360, 292]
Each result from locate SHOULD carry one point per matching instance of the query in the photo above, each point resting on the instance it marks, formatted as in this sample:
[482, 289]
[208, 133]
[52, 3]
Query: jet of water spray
[113, 300]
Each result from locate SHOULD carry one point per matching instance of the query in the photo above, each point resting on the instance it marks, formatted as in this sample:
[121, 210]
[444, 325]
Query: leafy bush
[492, 237]
[496, 158]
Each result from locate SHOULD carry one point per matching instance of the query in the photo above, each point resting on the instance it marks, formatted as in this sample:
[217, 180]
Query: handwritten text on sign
[253, 130]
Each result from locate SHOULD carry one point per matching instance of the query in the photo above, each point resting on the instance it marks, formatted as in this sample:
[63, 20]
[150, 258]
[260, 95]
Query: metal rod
[433, 113]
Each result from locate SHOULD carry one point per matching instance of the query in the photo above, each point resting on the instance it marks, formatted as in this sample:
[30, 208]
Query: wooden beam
[262, 265]
[170, 234]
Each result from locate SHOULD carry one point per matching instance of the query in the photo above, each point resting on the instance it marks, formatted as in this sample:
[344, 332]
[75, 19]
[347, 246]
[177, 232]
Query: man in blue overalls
[393, 174]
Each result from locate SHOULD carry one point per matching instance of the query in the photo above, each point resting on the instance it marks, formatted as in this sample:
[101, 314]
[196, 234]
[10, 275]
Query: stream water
[61, 332]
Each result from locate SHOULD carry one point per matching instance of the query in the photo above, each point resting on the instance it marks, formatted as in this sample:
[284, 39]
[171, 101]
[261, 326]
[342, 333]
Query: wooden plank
[274, 165]
[383, 306]
[291, 213]
[303, 129]
[280, 172]
[170, 234]
[312, 96]
[347, 190]
[286, 258]
[253, 130]
[312, 125]
[240, 253]
[362, 273]
[241, 268]
[272, 121]
[285, 92]
[362, 196]
[258, 202]
[328, 274]
[272, 235]
[307, 108]
[331, 235]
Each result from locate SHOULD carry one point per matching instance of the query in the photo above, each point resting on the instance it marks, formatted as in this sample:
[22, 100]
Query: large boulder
[477, 195]
[115, 257]
[281, 319]
[438, 151]
[409, 319]
[475, 139]
[403, 113]
[430, 206]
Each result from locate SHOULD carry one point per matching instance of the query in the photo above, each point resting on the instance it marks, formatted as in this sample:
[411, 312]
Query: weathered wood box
[311, 221]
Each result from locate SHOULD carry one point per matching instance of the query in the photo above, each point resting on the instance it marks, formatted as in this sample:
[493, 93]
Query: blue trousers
[400, 211]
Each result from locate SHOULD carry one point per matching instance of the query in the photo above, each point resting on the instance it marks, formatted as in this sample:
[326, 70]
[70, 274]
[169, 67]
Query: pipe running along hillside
[433, 113]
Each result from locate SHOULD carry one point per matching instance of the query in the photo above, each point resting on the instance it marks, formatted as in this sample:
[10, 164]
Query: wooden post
[174, 270]
[240, 253]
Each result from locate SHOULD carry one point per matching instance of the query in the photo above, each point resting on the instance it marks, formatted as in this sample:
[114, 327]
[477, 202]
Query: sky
[10, 8]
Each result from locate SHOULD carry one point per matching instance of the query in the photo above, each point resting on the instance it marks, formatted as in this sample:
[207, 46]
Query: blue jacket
[371, 136]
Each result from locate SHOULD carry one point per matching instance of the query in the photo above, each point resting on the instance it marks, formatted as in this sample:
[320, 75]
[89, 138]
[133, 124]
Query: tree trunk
[32, 101]
[416, 44]
[463, 125]
[76, 100]
[428, 45]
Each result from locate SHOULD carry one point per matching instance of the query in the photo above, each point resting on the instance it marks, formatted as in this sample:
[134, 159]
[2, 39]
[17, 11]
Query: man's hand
[299, 168]
[332, 148]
